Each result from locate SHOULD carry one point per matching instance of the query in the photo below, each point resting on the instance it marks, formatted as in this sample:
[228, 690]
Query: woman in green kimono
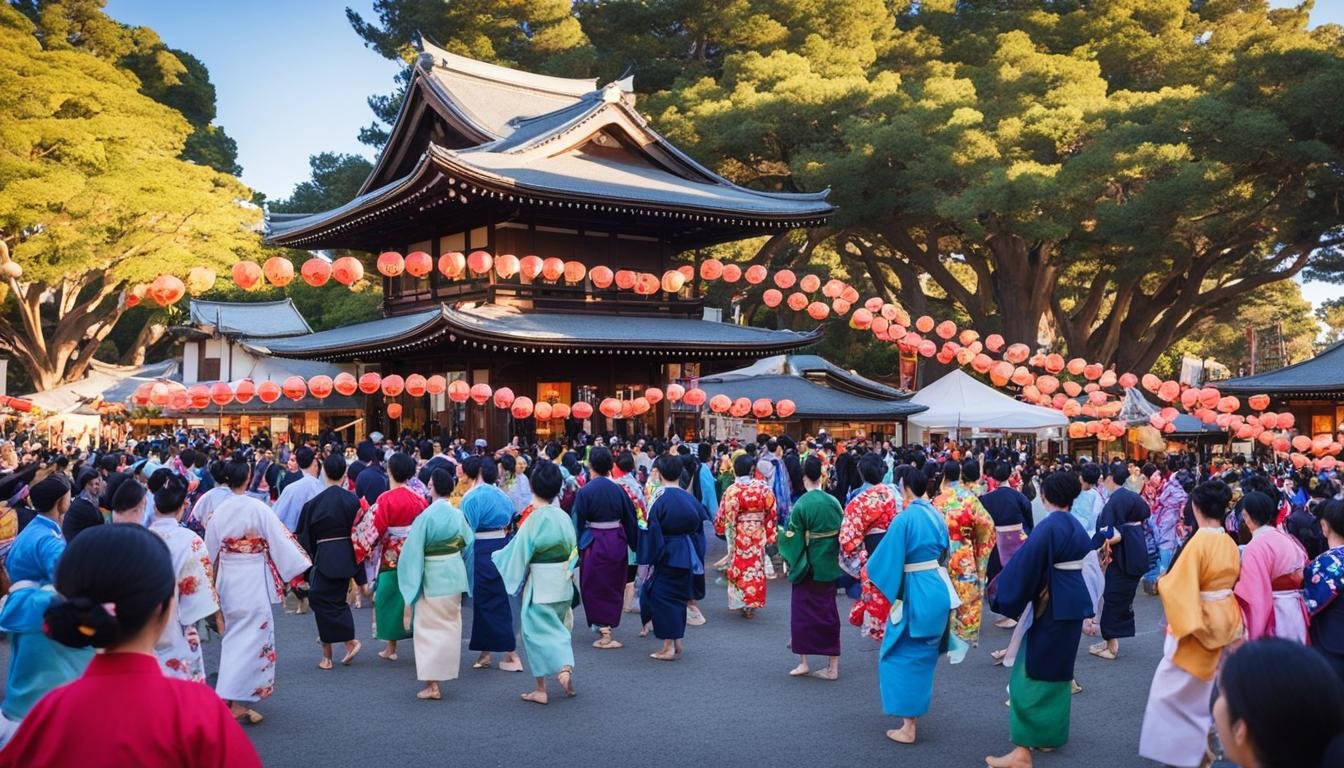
[434, 570]
[811, 551]
[543, 554]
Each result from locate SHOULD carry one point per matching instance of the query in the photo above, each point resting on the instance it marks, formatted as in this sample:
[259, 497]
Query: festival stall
[959, 406]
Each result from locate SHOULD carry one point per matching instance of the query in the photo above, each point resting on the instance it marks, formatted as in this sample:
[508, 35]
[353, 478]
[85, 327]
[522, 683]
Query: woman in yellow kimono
[1203, 621]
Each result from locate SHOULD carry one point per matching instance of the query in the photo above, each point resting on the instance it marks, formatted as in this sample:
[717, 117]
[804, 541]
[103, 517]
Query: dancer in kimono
[1120, 537]
[37, 664]
[1166, 516]
[673, 550]
[1269, 587]
[324, 529]
[179, 647]
[434, 570]
[1011, 513]
[397, 510]
[117, 584]
[1202, 621]
[254, 556]
[604, 520]
[866, 519]
[748, 511]
[1324, 586]
[543, 554]
[1045, 574]
[624, 475]
[812, 553]
[971, 532]
[907, 568]
[488, 511]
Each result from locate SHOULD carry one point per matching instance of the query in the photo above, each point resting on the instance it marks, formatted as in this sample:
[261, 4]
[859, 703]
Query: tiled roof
[254, 319]
[813, 401]
[1323, 373]
[354, 336]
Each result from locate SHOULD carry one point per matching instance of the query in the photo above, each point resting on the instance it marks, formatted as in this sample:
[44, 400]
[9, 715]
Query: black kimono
[1124, 513]
[324, 528]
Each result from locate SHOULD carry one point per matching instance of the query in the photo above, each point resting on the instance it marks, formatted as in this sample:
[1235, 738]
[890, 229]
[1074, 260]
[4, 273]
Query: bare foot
[325, 663]
[536, 697]
[429, 694]
[826, 674]
[351, 650]
[482, 662]
[800, 670]
[903, 735]
[511, 665]
[1005, 623]
[998, 655]
[664, 656]
[1018, 758]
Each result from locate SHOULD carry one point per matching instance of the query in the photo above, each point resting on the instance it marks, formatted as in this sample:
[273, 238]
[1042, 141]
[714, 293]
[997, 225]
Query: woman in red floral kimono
[867, 517]
[747, 517]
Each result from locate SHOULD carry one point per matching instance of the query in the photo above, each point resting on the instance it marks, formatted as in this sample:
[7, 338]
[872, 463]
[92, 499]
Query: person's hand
[219, 623]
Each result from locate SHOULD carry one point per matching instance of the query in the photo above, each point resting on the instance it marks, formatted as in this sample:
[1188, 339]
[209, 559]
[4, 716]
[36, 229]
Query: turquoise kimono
[37, 664]
[543, 555]
[922, 602]
[436, 559]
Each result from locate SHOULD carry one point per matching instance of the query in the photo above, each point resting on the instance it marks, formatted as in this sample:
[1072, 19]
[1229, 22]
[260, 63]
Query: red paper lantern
[504, 397]
[797, 301]
[552, 268]
[946, 329]
[818, 310]
[459, 390]
[675, 392]
[245, 391]
[601, 276]
[687, 271]
[136, 295]
[320, 386]
[159, 393]
[840, 306]
[521, 407]
[558, 411]
[654, 395]
[480, 393]
[415, 385]
[1258, 402]
[673, 281]
[1076, 366]
[582, 410]
[199, 395]
[610, 407]
[740, 407]
[924, 324]
[625, 279]
[419, 264]
[268, 392]
[862, 319]
[761, 408]
[785, 279]
[506, 265]
[390, 264]
[345, 383]
[347, 270]
[1092, 371]
[627, 409]
[694, 397]
[574, 271]
[711, 269]
[785, 408]
[1169, 391]
[451, 264]
[436, 385]
[640, 406]
[479, 262]
[279, 271]
[294, 387]
[731, 273]
[221, 394]
[541, 410]
[393, 385]
[394, 411]
[246, 275]
[179, 400]
[167, 290]
[772, 297]
[756, 274]
[720, 403]
[529, 267]
[1054, 363]
[646, 284]
[370, 382]
[316, 272]
[927, 348]
[1128, 380]
[809, 284]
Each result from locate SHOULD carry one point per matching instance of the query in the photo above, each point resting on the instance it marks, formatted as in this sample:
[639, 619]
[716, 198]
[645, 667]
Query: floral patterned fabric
[179, 647]
[748, 516]
[971, 532]
[871, 511]
[1323, 581]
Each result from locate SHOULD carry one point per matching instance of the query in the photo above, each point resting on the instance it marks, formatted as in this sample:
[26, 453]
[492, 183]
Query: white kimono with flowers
[179, 647]
[256, 556]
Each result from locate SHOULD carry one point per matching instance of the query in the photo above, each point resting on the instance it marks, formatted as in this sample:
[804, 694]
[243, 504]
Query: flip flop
[822, 674]
[248, 717]
[507, 667]
[350, 656]
[324, 664]
[478, 664]
[661, 657]
[425, 695]
[1104, 653]
[388, 656]
[532, 697]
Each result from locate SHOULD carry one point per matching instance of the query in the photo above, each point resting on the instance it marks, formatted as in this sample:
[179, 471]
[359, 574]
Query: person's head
[128, 503]
[171, 497]
[1258, 510]
[951, 471]
[334, 467]
[872, 469]
[400, 468]
[1002, 471]
[915, 483]
[304, 458]
[625, 461]
[1280, 704]
[600, 461]
[744, 465]
[117, 583]
[547, 480]
[440, 483]
[1059, 489]
[237, 472]
[51, 497]
[812, 473]
[1117, 475]
[89, 480]
[1331, 514]
[365, 451]
[669, 467]
[1090, 475]
[970, 471]
[1210, 499]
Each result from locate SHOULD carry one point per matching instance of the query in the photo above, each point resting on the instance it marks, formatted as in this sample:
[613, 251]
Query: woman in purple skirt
[812, 554]
[604, 518]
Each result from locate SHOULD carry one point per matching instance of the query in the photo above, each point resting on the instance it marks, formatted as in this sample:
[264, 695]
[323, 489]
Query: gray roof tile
[813, 401]
[255, 319]
[1322, 373]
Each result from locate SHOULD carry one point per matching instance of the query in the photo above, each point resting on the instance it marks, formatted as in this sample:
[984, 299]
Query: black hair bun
[81, 623]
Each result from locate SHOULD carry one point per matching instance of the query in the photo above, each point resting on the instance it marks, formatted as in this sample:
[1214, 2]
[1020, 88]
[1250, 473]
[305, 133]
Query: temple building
[1312, 390]
[486, 158]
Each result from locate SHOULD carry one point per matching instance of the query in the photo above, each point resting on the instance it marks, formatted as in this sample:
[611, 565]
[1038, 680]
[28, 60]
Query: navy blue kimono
[674, 545]
[1059, 596]
[1006, 506]
[1125, 513]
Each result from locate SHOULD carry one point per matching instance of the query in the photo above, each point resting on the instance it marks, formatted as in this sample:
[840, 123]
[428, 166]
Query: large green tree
[94, 197]
[334, 181]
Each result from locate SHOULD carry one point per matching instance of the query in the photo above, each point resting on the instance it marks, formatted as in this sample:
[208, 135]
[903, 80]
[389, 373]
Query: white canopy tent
[958, 401]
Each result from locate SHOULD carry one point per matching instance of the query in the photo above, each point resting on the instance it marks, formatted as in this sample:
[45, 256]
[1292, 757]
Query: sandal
[481, 664]
[427, 695]
[566, 680]
[324, 664]
[1104, 653]
[350, 655]
[998, 656]
[248, 717]
[516, 666]
[385, 654]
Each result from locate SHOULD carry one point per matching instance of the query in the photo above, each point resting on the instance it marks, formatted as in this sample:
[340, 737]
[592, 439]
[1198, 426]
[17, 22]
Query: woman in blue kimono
[489, 511]
[542, 556]
[908, 568]
[1046, 573]
[674, 547]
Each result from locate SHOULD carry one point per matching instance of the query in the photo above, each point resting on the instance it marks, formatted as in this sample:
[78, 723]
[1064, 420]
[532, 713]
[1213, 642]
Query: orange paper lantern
[394, 411]
[581, 410]
[601, 277]
[818, 311]
[761, 408]
[294, 387]
[675, 392]
[316, 272]
[785, 408]
[268, 392]
[521, 408]
[785, 279]
[809, 284]
[246, 275]
[393, 385]
[1258, 402]
[673, 281]
[756, 274]
[946, 329]
[480, 393]
[646, 284]
[221, 394]
[391, 264]
[610, 407]
[695, 397]
[452, 264]
[1128, 380]
[731, 273]
[198, 395]
[345, 383]
[370, 383]
[244, 392]
[279, 271]
[347, 270]
[552, 268]
[419, 264]
[506, 265]
[574, 273]
[459, 390]
[436, 385]
[862, 319]
[541, 410]
[558, 411]
[625, 279]
[772, 298]
[320, 386]
[416, 385]
[167, 290]
[504, 397]
[711, 269]
[720, 403]
[654, 395]
[479, 262]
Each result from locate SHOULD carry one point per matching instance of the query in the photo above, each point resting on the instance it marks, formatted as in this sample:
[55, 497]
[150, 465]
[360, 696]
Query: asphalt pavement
[728, 702]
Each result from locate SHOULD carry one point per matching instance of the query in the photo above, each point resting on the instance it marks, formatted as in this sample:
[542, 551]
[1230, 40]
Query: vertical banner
[908, 369]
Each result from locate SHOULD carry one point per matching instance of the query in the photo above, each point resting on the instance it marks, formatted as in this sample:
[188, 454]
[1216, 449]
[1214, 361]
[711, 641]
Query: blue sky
[292, 77]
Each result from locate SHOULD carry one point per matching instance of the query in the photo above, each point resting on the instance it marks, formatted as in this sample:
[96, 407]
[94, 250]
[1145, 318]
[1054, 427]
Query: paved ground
[728, 702]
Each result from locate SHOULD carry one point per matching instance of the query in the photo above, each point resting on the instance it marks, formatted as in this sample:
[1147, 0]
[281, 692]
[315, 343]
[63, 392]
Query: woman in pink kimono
[1269, 589]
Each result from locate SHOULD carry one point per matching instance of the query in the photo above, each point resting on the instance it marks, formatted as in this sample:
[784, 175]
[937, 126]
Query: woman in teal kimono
[543, 554]
[434, 570]
[907, 567]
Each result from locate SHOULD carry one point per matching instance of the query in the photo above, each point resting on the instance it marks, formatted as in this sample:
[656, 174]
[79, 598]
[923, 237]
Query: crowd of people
[146, 550]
